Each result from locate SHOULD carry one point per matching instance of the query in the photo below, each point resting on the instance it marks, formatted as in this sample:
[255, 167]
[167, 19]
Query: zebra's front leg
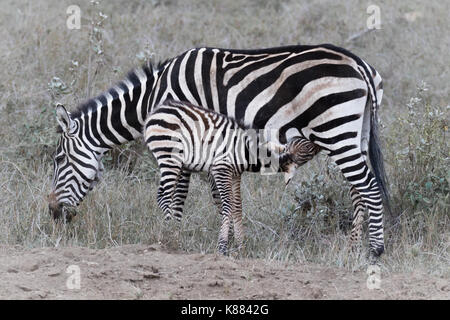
[222, 176]
[170, 174]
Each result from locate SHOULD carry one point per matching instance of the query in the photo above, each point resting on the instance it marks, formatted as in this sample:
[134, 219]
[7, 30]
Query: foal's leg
[214, 191]
[218, 202]
[223, 176]
[237, 211]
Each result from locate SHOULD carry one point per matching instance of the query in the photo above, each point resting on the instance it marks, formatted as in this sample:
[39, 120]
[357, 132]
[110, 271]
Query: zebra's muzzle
[58, 210]
[55, 211]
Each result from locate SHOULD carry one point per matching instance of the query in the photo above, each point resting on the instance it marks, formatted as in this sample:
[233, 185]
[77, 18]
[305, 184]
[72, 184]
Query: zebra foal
[184, 137]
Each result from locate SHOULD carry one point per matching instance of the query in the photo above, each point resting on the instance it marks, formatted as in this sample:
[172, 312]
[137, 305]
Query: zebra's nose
[55, 212]
[55, 209]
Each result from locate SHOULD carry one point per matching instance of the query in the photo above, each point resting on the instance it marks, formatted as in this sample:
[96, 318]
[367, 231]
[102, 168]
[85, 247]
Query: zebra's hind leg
[357, 220]
[223, 176]
[214, 191]
[218, 202]
[358, 173]
[170, 174]
[180, 194]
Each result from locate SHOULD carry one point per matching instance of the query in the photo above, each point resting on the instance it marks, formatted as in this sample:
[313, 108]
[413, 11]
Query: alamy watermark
[73, 21]
[374, 19]
[373, 277]
[73, 282]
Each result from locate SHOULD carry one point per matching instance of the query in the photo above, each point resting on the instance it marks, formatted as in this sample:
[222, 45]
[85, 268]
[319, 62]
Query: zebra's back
[192, 136]
[293, 89]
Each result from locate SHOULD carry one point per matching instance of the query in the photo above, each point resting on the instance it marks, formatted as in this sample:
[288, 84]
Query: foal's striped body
[185, 137]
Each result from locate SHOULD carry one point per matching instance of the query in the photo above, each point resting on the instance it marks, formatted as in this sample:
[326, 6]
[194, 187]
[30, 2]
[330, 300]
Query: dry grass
[307, 221]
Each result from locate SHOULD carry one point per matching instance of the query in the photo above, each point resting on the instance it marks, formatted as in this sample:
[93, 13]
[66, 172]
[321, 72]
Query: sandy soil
[150, 272]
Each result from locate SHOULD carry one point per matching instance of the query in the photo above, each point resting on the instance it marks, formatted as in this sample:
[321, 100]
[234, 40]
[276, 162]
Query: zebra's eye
[59, 159]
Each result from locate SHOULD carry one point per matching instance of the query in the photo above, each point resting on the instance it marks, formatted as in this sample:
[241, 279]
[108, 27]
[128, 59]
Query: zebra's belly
[198, 166]
[206, 165]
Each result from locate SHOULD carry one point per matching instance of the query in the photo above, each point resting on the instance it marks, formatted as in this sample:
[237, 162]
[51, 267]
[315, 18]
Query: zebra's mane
[148, 69]
[91, 103]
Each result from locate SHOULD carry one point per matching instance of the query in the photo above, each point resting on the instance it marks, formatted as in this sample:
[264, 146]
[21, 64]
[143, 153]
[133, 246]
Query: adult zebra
[323, 93]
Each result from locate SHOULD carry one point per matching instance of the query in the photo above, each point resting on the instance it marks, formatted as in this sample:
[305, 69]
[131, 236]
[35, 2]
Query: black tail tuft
[377, 163]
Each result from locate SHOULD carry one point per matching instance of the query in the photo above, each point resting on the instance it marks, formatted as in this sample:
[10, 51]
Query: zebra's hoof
[223, 251]
[375, 254]
[377, 251]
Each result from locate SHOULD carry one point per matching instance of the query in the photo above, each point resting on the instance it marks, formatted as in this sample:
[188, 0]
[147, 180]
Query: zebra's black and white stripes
[112, 118]
[184, 137]
[322, 93]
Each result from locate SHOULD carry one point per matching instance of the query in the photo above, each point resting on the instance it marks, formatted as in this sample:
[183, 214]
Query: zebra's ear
[64, 120]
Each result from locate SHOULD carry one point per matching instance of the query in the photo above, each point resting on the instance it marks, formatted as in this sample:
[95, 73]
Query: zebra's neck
[252, 152]
[117, 116]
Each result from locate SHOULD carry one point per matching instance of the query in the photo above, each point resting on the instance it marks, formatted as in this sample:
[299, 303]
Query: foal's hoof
[223, 251]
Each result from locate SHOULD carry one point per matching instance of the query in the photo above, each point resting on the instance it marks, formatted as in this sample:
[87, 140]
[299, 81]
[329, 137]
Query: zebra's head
[77, 166]
[285, 162]
[301, 150]
[294, 154]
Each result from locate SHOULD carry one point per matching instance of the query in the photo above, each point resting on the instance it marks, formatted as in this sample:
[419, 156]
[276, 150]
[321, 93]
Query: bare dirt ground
[150, 272]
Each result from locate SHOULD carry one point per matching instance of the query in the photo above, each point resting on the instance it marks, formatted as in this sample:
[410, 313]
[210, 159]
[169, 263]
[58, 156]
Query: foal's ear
[64, 120]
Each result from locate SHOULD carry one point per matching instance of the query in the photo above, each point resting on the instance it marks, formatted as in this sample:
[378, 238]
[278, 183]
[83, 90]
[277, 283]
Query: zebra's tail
[376, 156]
[377, 163]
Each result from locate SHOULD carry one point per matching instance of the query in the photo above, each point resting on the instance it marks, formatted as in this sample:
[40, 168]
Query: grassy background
[44, 62]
